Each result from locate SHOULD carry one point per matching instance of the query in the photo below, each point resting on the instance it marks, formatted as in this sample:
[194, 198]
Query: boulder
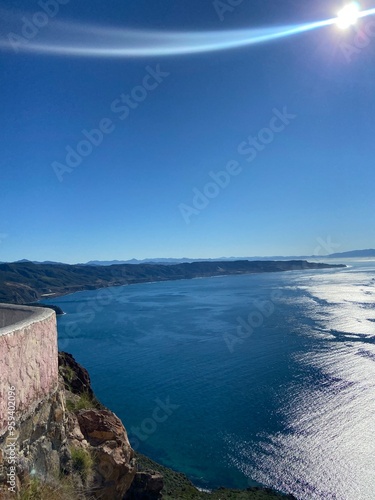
[114, 462]
[146, 486]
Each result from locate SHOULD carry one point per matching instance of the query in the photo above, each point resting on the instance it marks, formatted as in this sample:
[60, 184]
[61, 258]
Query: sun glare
[348, 16]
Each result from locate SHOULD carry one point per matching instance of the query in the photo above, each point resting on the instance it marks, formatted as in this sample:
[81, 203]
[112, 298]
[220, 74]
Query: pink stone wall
[29, 362]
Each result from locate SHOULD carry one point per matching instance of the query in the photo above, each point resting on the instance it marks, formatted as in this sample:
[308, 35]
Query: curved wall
[28, 359]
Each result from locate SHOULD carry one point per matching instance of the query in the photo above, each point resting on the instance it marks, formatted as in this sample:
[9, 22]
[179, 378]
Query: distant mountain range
[344, 255]
[353, 254]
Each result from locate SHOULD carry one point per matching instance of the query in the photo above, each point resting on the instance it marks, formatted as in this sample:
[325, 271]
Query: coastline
[28, 282]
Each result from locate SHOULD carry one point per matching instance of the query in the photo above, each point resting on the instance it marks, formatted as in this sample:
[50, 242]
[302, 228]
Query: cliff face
[88, 447]
[38, 445]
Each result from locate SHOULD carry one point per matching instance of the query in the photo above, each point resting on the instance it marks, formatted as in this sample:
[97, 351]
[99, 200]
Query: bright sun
[348, 16]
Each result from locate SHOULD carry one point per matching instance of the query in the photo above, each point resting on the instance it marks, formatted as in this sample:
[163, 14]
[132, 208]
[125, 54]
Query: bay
[236, 380]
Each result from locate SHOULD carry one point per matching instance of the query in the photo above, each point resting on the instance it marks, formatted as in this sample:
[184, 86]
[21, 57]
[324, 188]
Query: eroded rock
[76, 377]
[146, 486]
[114, 462]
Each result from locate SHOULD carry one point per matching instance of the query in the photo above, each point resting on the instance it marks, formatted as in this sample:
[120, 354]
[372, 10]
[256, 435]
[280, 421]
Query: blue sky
[134, 194]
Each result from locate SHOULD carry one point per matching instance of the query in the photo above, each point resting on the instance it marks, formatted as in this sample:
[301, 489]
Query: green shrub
[36, 489]
[82, 463]
[84, 402]
[68, 374]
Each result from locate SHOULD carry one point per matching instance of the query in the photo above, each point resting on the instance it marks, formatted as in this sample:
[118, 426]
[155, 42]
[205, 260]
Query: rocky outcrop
[146, 486]
[75, 376]
[39, 447]
[105, 437]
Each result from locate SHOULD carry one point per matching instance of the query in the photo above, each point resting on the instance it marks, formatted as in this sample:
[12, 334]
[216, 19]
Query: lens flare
[348, 16]
[83, 40]
[92, 41]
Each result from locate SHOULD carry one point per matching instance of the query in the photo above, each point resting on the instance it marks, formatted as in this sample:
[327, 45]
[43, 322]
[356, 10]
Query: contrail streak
[67, 39]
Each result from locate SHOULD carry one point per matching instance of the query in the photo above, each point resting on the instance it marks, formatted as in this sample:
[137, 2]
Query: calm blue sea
[264, 378]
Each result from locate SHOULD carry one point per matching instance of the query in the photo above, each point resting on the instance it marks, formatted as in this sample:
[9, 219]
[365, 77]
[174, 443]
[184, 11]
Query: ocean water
[235, 380]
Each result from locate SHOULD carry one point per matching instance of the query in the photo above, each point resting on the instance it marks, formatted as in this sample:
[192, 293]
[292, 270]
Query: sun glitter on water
[348, 16]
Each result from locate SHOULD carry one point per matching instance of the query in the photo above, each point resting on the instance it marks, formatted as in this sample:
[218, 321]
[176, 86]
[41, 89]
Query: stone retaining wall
[28, 359]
